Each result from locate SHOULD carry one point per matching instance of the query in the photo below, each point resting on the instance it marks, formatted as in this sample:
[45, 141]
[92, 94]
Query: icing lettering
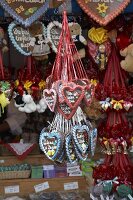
[25, 1]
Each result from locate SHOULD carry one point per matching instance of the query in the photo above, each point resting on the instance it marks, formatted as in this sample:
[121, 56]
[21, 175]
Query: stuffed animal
[79, 40]
[18, 100]
[3, 42]
[39, 45]
[29, 106]
[127, 64]
[41, 106]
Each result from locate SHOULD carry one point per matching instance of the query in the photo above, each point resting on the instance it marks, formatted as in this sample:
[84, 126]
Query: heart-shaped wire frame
[30, 19]
[81, 128]
[69, 147]
[14, 42]
[49, 135]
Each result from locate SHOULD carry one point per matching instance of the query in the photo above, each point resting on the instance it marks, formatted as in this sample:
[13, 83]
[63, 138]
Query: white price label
[11, 189]
[41, 187]
[76, 173]
[73, 169]
[71, 186]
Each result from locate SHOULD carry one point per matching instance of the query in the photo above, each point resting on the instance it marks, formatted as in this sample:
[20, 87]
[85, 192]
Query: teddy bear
[41, 106]
[78, 38]
[29, 106]
[127, 64]
[3, 42]
[39, 44]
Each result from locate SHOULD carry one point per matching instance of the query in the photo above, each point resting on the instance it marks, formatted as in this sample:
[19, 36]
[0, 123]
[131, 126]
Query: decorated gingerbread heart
[20, 37]
[50, 97]
[73, 95]
[51, 144]
[70, 151]
[81, 135]
[81, 156]
[26, 12]
[65, 110]
[103, 11]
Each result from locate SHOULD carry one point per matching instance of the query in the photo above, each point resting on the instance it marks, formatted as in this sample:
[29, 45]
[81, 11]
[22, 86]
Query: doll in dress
[39, 44]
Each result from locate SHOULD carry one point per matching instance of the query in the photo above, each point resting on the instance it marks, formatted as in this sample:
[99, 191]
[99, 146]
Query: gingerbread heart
[93, 141]
[73, 95]
[81, 136]
[54, 29]
[28, 11]
[82, 82]
[89, 94]
[53, 33]
[65, 110]
[25, 12]
[81, 156]
[50, 97]
[20, 37]
[103, 11]
[58, 86]
[51, 144]
[70, 151]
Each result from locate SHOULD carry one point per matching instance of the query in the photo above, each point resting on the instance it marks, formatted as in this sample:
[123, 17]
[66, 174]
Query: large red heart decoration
[50, 97]
[103, 11]
[65, 110]
[26, 12]
[73, 95]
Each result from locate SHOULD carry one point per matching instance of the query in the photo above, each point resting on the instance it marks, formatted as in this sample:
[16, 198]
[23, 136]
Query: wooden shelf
[30, 159]
[26, 186]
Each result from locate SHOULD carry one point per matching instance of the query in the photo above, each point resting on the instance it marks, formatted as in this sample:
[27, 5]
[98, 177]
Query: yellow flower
[16, 83]
[102, 8]
[94, 82]
[117, 105]
[42, 84]
[28, 84]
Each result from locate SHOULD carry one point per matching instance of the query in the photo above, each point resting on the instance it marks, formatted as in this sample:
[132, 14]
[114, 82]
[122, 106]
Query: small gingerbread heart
[50, 97]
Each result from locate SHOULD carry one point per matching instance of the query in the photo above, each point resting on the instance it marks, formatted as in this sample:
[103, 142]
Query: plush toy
[39, 45]
[29, 106]
[3, 42]
[127, 64]
[41, 106]
[79, 40]
[18, 100]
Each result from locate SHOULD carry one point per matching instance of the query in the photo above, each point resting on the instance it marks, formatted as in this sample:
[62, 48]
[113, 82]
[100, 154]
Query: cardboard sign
[103, 11]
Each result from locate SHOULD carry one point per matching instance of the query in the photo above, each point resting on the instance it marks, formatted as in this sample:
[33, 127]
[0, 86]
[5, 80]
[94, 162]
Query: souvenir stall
[66, 129]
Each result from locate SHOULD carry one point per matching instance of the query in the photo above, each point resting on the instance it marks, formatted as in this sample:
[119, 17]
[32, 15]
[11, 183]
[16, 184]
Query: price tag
[73, 169]
[41, 187]
[71, 186]
[78, 173]
[11, 189]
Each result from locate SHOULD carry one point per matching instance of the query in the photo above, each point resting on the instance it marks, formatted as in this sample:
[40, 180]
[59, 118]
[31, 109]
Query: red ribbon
[1, 67]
